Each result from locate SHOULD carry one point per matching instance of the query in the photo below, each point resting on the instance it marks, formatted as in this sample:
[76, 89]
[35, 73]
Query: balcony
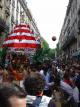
[69, 39]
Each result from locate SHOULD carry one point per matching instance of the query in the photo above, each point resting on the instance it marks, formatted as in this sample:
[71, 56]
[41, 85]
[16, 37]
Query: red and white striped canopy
[21, 37]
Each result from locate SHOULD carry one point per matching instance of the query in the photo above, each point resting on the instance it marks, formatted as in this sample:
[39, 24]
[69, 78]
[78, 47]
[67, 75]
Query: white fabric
[25, 28]
[44, 101]
[19, 34]
[41, 72]
[22, 41]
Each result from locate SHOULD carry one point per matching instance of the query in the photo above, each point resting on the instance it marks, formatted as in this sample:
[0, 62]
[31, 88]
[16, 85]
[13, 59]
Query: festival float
[19, 43]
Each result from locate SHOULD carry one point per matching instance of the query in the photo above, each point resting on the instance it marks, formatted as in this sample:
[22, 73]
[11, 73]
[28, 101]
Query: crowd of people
[40, 85]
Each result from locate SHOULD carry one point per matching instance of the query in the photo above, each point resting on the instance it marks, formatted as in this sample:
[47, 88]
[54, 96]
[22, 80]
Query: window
[12, 19]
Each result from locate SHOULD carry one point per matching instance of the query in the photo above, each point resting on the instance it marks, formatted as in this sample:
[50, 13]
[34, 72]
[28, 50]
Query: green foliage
[45, 45]
[51, 53]
[38, 57]
[43, 54]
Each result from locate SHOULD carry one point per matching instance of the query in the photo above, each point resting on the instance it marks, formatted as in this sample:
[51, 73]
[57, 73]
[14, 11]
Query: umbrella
[21, 37]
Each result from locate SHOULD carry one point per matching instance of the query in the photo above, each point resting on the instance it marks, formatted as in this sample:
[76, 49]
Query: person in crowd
[69, 90]
[72, 73]
[77, 82]
[12, 96]
[78, 77]
[66, 77]
[34, 85]
[46, 73]
[1, 74]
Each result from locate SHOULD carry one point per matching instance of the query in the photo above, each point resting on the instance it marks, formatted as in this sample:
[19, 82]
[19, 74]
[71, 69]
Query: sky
[49, 16]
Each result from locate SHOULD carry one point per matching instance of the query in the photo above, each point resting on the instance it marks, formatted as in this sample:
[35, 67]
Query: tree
[51, 53]
[43, 54]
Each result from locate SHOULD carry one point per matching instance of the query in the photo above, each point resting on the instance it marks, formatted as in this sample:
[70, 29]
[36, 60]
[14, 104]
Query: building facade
[15, 12]
[4, 13]
[5, 9]
[69, 40]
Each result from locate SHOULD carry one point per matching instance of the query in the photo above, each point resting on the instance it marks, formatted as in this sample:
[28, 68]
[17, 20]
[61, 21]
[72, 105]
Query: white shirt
[44, 101]
[46, 77]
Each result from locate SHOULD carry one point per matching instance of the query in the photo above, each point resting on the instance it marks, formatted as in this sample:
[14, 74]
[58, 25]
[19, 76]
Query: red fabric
[17, 76]
[67, 81]
[20, 37]
[39, 94]
[21, 45]
[22, 25]
[22, 30]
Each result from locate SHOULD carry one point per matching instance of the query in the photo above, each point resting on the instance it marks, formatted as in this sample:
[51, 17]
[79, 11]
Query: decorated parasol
[21, 37]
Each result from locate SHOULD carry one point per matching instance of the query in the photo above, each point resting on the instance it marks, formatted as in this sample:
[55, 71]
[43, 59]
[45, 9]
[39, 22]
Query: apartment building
[16, 11]
[4, 12]
[20, 13]
[69, 40]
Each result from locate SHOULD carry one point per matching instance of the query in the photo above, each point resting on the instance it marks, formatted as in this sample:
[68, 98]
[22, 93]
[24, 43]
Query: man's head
[34, 84]
[12, 96]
